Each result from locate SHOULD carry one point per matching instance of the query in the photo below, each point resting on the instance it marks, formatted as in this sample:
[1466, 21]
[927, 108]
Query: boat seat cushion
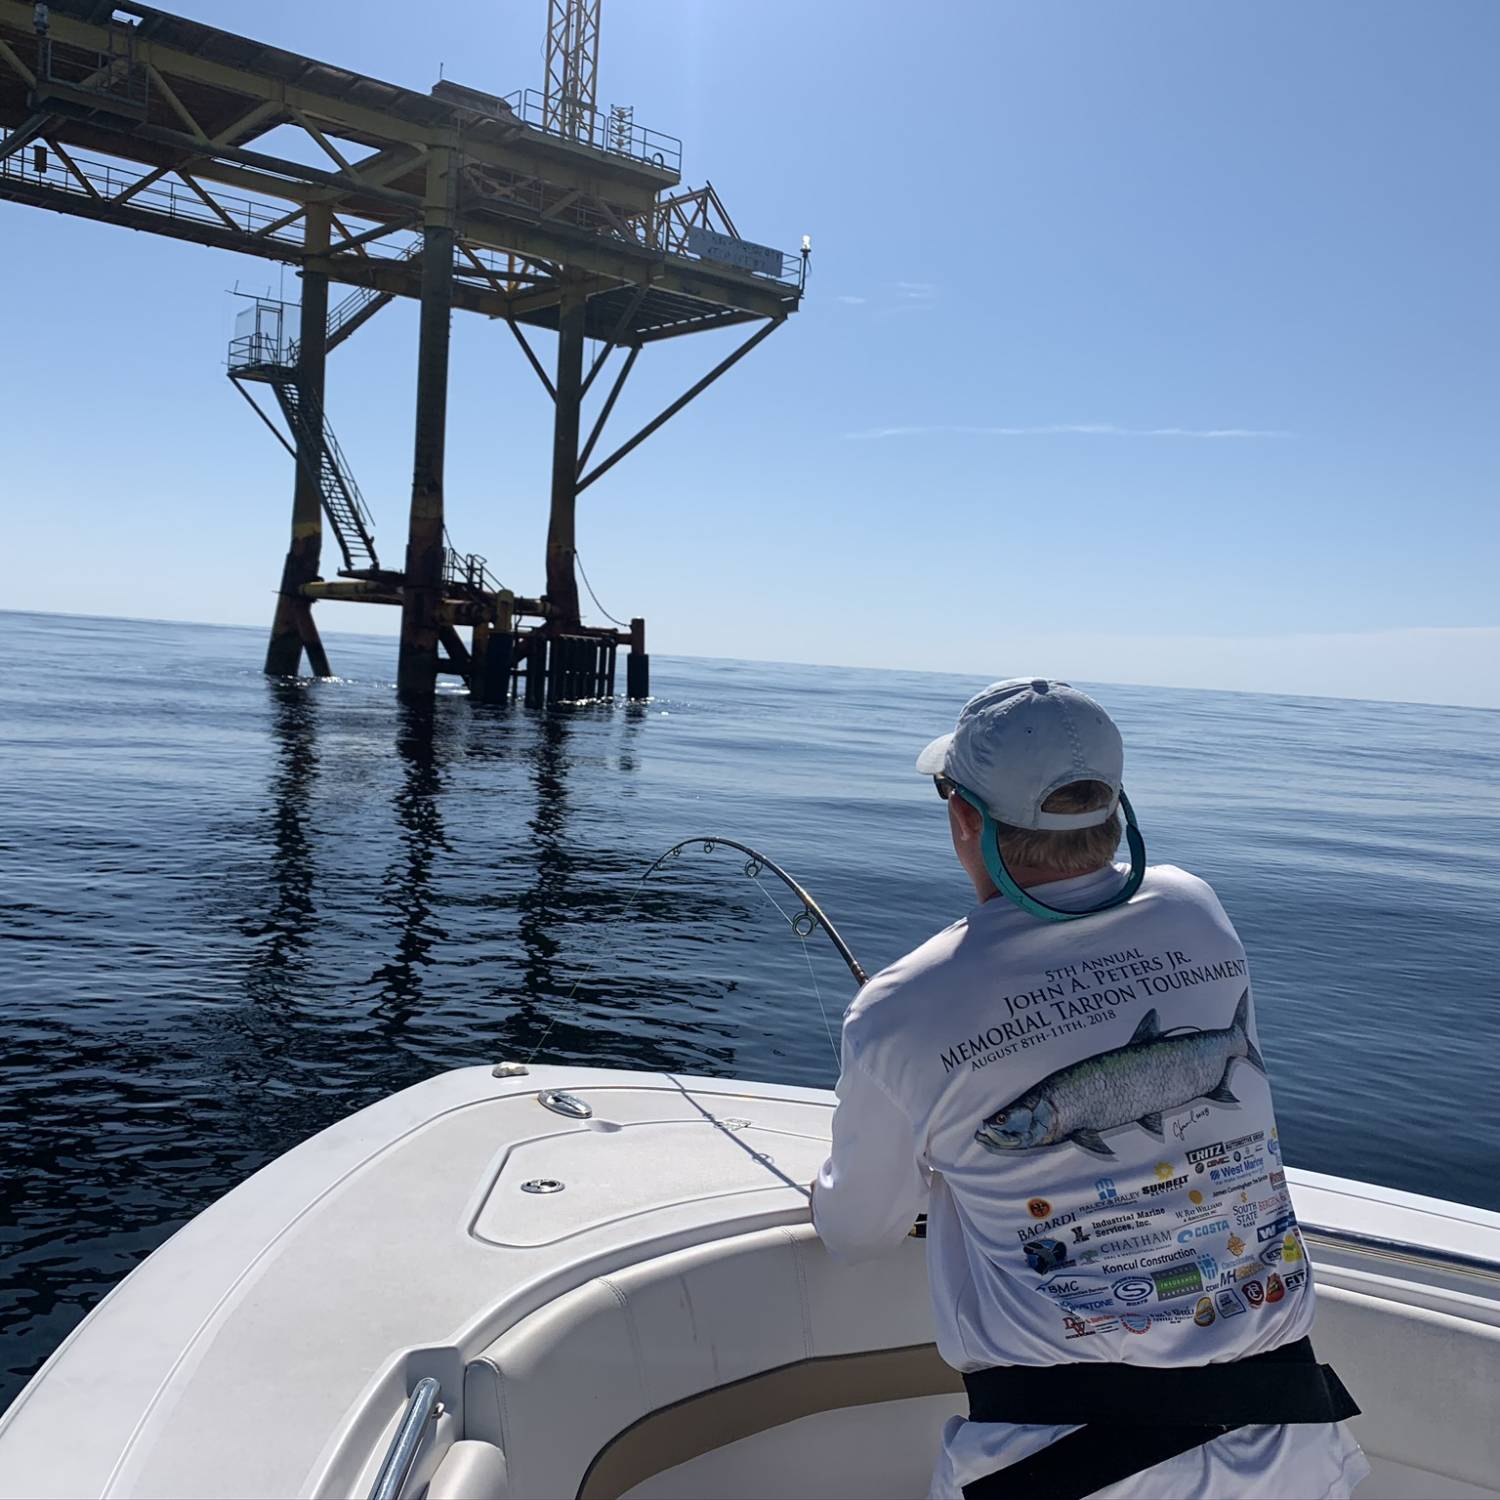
[553, 1391]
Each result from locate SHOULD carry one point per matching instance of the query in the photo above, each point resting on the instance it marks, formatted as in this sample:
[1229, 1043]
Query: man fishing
[1067, 1081]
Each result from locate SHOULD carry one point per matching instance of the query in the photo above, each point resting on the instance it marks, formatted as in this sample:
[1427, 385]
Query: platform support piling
[536, 670]
[292, 628]
[494, 665]
[637, 664]
[421, 594]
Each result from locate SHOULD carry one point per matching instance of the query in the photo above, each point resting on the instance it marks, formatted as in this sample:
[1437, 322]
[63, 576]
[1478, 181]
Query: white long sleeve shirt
[1082, 1110]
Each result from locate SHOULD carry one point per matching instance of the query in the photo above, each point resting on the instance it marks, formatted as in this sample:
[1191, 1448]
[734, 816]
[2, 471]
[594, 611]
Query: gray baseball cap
[1020, 740]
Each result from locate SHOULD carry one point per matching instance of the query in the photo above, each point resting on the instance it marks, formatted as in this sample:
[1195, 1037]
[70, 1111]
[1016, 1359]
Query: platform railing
[39, 166]
[252, 350]
[614, 134]
[113, 82]
[468, 570]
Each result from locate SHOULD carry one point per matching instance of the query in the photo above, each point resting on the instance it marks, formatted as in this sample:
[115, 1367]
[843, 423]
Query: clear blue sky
[1148, 342]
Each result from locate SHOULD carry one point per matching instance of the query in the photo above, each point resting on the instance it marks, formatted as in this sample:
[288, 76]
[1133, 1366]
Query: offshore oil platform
[537, 208]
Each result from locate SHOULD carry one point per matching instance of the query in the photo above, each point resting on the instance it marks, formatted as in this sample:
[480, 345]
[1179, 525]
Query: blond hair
[1074, 851]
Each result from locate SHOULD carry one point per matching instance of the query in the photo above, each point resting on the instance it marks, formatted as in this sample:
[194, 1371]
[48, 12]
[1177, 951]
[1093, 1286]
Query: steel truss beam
[207, 109]
[411, 118]
[530, 353]
[629, 313]
[671, 411]
[609, 405]
[255, 406]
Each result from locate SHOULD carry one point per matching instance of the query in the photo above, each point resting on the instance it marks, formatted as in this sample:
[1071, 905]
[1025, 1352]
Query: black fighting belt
[1137, 1416]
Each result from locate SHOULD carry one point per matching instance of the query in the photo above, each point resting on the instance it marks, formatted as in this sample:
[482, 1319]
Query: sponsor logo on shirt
[1136, 1322]
[1271, 1255]
[1236, 1246]
[1047, 1228]
[1241, 1270]
[1038, 1208]
[1124, 1246]
[1209, 1267]
[1202, 1231]
[1076, 1296]
[1275, 1229]
[1141, 1263]
[1275, 1288]
[1045, 1255]
[1177, 1281]
[1294, 1279]
[1198, 1211]
[1229, 1304]
[1207, 1156]
[1105, 1187]
[1255, 1293]
[1115, 1208]
[1164, 1170]
[1079, 1328]
[1291, 1247]
[1123, 1223]
[1057, 1288]
[1203, 1315]
[1165, 1185]
[1133, 1289]
[1082, 1302]
[1234, 1171]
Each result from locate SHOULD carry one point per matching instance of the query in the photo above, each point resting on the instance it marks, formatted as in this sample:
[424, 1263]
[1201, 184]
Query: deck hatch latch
[561, 1103]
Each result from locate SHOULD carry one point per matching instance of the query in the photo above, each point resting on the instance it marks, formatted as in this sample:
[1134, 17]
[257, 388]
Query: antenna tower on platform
[568, 103]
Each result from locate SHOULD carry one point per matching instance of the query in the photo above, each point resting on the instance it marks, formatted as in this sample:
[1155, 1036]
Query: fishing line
[589, 966]
[812, 974]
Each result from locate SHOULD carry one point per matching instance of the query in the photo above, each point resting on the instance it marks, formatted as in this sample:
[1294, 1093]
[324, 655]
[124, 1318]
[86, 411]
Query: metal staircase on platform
[342, 502]
[352, 312]
[259, 353]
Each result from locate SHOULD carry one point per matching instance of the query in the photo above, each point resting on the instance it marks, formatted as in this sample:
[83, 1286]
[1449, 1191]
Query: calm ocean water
[232, 911]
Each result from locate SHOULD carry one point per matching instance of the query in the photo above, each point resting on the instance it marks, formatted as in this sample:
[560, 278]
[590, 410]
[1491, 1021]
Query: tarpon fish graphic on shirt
[1151, 1075]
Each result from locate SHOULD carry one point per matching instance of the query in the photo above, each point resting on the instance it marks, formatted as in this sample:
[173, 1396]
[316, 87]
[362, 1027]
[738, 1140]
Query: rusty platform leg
[292, 629]
[416, 671]
[562, 584]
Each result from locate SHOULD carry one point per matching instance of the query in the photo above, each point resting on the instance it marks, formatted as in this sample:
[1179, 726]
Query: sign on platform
[743, 254]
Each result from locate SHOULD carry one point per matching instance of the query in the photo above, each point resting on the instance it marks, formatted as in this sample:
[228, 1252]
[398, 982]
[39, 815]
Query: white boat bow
[475, 1288]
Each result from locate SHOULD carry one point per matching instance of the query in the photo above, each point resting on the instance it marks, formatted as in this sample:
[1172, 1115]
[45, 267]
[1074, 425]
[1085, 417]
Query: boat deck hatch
[643, 1151]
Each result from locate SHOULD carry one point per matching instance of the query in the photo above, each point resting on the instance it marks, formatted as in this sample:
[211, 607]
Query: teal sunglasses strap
[989, 844]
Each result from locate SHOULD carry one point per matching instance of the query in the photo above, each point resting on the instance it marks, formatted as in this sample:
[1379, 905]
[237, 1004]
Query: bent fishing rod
[804, 923]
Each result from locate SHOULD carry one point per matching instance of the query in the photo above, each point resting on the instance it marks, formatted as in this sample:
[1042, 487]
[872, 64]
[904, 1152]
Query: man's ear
[967, 822]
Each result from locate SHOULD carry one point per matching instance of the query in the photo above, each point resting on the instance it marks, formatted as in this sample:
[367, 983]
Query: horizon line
[1068, 429]
[918, 671]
